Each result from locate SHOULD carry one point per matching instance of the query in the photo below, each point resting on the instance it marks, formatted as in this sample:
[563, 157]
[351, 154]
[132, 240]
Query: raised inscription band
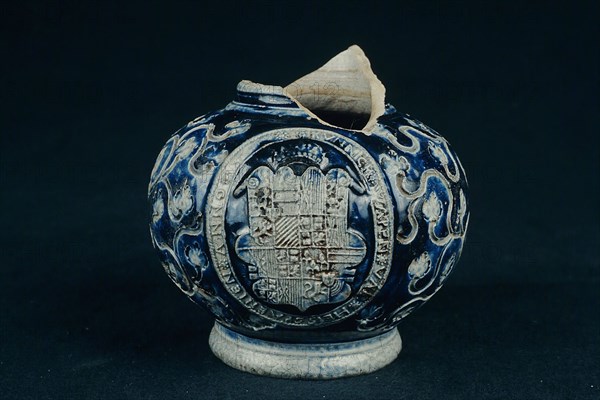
[231, 173]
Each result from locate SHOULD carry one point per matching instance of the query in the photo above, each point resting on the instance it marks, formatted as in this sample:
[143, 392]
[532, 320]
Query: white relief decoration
[189, 146]
[298, 245]
[196, 257]
[164, 159]
[438, 153]
[237, 127]
[462, 209]
[425, 130]
[403, 311]
[231, 129]
[173, 269]
[432, 208]
[424, 270]
[299, 249]
[407, 131]
[179, 149]
[447, 268]
[442, 156]
[394, 164]
[198, 120]
[170, 269]
[181, 203]
[434, 202]
[401, 236]
[158, 209]
[420, 266]
[368, 315]
[186, 147]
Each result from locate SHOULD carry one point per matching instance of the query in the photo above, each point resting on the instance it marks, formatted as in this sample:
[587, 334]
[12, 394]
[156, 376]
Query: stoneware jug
[309, 220]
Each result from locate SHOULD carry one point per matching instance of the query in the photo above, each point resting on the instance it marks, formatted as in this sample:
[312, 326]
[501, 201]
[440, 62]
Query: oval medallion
[300, 226]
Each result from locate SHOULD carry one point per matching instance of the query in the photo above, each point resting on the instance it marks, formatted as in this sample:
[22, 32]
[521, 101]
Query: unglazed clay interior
[344, 92]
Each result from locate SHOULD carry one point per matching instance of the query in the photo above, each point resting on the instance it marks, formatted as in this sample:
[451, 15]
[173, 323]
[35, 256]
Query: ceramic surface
[291, 229]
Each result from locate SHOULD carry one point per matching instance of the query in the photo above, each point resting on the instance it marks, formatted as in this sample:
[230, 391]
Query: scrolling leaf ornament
[179, 178]
[435, 211]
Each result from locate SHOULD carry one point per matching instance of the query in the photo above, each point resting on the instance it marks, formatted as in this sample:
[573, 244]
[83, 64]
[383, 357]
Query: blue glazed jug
[309, 220]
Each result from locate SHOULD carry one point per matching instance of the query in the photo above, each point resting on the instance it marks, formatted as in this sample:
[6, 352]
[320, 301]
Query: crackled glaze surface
[291, 229]
[304, 361]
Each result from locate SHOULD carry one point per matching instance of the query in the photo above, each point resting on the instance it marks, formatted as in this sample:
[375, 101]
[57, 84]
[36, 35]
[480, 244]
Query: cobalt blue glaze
[405, 216]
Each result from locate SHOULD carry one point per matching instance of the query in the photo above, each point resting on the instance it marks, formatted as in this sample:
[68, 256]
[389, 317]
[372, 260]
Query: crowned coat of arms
[299, 248]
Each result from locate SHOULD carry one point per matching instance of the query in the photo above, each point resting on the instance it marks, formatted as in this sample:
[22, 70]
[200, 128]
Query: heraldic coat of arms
[300, 249]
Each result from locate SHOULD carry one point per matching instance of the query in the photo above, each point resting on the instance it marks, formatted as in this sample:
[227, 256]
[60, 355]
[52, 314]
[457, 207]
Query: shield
[299, 249]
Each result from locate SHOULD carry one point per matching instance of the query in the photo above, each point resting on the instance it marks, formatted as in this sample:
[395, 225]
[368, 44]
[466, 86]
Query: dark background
[89, 94]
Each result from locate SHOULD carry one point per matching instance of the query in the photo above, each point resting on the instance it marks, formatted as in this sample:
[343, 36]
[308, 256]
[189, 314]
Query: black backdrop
[91, 92]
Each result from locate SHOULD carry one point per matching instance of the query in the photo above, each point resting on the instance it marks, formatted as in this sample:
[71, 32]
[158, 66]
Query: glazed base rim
[304, 361]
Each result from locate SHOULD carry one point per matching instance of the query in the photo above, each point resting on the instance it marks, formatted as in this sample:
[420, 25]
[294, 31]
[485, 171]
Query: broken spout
[342, 93]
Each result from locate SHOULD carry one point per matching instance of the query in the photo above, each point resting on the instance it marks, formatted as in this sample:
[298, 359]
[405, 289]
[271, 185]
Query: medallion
[297, 245]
